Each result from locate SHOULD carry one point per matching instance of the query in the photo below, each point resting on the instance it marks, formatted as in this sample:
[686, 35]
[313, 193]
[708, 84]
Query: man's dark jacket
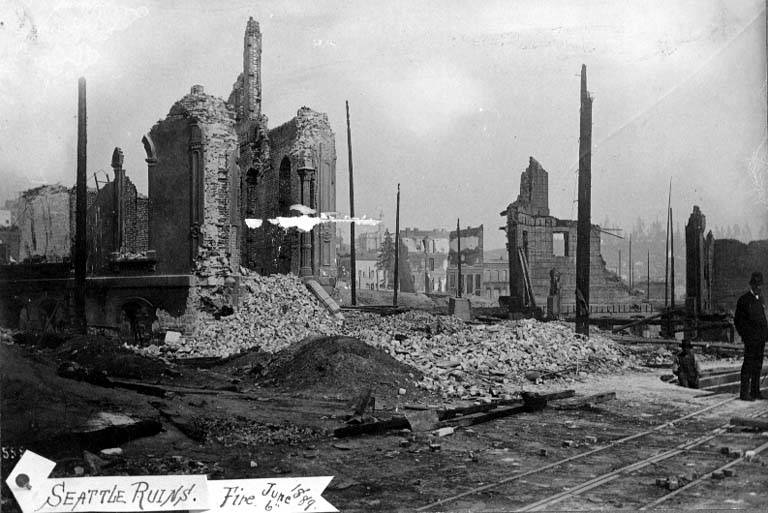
[750, 319]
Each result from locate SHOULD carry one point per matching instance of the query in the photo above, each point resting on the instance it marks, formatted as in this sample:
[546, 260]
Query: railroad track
[617, 473]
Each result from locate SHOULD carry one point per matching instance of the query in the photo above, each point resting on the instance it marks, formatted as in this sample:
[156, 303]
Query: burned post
[584, 215]
[397, 246]
[352, 264]
[81, 208]
[458, 258]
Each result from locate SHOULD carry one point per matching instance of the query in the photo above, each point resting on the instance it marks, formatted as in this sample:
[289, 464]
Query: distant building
[496, 278]
[427, 258]
[368, 275]
[471, 262]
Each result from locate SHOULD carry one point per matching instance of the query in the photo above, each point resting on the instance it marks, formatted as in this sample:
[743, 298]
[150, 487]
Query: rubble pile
[275, 311]
[466, 360]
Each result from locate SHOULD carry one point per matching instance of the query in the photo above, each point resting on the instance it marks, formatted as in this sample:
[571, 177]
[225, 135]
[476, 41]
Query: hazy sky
[449, 98]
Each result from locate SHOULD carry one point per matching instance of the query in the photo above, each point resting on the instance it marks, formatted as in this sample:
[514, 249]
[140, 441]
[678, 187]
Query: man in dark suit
[752, 326]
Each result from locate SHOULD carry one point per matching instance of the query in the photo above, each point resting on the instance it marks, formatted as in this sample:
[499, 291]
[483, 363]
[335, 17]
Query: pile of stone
[470, 360]
[274, 312]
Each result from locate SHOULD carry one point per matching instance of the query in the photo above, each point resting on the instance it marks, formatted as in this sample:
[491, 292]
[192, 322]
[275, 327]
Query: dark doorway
[136, 319]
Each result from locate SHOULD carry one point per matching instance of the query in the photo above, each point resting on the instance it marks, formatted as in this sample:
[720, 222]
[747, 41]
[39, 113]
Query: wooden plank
[758, 424]
[471, 420]
[644, 320]
[667, 341]
[478, 408]
[719, 379]
[580, 402]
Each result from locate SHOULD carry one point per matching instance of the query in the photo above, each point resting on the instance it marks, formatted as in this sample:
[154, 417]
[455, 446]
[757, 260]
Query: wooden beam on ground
[757, 424]
[580, 402]
[478, 408]
[668, 341]
[635, 323]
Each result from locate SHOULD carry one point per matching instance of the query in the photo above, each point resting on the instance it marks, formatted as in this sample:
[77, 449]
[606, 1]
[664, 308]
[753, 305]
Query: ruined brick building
[550, 243]
[217, 163]
[211, 164]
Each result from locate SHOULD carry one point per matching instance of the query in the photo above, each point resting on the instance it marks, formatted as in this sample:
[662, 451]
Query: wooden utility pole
[81, 207]
[584, 224]
[672, 263]
[352, 261]
[397, 247]
[648, 278]
[666, 264]
[458, 258]
[630, 263]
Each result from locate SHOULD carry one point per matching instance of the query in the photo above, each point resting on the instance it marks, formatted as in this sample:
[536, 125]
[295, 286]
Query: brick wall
[9, 244]
[531, 228]
[270, 192]
[43, 218]
[191, 186]
[142, 223]
[734, 262]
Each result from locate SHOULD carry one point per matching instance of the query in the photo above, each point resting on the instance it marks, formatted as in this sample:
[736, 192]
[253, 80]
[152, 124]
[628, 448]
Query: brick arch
[135, 318]
[149, 148]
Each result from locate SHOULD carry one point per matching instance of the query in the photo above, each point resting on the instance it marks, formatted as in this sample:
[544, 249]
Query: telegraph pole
[584, 223]
[458, 258]
[648, 278]
[81, 206]
[397, 246]
[352, 262]
[672, 264]
[631, 264]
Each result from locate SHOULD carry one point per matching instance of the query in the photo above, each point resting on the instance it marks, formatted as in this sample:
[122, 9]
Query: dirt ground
[228, 422]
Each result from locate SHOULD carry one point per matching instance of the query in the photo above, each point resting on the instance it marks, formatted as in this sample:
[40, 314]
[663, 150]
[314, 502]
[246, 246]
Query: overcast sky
[449, 98]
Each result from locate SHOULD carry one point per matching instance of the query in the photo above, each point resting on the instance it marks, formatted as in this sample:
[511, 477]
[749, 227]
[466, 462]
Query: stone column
[306, 175]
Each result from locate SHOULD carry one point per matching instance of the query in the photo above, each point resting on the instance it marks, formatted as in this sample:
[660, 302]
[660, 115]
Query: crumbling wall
[43, 218]
[103, 225]
[534, 188]
[733, 264]
[532, 229]
[9, 244]
[272, 185]
[142, 221]
[191, 187]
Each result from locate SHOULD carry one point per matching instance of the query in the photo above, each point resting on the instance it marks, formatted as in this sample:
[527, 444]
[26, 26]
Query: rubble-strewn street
[401, 256]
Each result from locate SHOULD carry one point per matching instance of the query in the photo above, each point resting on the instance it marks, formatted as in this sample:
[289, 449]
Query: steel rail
[738, 460]
[575, 457]
[615, 474]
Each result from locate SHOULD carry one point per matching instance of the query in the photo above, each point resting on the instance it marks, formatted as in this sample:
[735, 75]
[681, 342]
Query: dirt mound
[111, 356]
[341, 365]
